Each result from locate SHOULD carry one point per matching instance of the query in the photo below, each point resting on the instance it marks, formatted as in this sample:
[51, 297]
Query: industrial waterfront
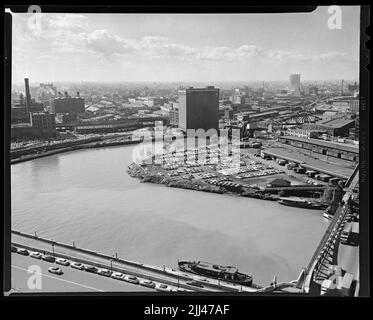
[151, 224]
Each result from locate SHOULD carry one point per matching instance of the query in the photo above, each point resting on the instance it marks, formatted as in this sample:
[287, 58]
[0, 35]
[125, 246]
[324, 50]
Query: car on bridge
[14, 249]
[91, 269]
[23, 252]
[48, 258]
[162, 287]
[131, 279]
[55, 270]
[36, 255]
[77, 265]
[62, 261]
[147, 283]
[118, 276]
[104, 272]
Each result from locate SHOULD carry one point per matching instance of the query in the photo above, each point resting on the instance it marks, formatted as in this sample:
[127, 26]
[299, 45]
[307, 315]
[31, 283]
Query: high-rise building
[295, 82]
[199, 108]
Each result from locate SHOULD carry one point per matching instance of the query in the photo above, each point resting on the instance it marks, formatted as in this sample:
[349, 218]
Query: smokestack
[342, 88]
[28, 97]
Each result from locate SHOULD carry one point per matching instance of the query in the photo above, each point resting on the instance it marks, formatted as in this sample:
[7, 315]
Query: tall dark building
[199, 108]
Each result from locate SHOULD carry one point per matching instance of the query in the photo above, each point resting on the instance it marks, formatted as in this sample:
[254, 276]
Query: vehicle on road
[104, 272]
[55, 270]
[147, 283]
[118, 275]
[23, 252]
[194, 283]
[62, 261]
[77, 265]
[90, 269]
[162, 287]
[131, 279]
[48, 258]
[14, 249]
[36, 255]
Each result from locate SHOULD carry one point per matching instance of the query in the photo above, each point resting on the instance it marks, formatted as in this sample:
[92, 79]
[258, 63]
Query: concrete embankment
[101, 260]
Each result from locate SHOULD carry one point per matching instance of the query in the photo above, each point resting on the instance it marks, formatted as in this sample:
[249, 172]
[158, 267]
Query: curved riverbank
[87, 145]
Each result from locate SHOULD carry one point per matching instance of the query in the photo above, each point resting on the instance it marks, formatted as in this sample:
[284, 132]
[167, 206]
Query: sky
[184, 47]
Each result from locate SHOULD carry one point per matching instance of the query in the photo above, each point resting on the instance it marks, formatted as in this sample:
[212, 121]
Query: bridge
[326, 253]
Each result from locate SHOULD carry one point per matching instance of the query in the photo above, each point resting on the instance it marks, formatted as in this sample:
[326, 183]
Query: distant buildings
[346, 104]
[20, 112]
[68, 104]
[199, 108]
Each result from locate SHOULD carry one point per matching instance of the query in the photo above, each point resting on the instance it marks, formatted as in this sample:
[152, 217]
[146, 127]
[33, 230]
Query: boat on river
[300, 203]
[226, 273]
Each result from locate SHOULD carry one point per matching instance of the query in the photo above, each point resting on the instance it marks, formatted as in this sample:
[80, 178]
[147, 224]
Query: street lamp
[53, 248]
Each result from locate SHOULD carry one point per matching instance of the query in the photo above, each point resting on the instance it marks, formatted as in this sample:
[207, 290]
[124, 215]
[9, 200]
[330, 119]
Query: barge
[226, 273]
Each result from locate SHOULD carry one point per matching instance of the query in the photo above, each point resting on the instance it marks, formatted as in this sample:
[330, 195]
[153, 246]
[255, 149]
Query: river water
[87, 197]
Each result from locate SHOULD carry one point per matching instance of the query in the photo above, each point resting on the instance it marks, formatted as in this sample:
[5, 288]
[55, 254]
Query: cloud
[74, 34]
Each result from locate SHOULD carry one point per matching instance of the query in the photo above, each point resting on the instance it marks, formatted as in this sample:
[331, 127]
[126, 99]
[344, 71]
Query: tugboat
[300, 203]
[226, 273]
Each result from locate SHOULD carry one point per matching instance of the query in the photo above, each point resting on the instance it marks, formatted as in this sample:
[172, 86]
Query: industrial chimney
[28, 96]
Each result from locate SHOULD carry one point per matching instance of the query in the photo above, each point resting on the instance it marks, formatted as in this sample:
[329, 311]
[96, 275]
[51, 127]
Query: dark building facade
[67, 104]
[199, 108]
[45, 123]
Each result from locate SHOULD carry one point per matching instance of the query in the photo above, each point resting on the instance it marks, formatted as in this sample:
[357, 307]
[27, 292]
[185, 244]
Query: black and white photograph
[187, 153]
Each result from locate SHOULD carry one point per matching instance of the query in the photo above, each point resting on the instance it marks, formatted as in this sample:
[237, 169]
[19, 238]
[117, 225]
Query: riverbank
[87, 145]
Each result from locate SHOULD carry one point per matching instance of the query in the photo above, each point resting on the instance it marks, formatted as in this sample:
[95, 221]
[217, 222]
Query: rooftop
[335, 123]
[328, 144]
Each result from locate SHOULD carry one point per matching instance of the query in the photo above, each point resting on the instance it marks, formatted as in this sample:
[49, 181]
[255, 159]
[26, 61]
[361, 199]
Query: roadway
[72, 280]
[158, 274]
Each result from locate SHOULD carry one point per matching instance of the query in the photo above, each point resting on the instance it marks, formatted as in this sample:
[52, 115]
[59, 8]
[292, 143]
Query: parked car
[92, 269]
[23, 252]
[36, 255]
[14, 249]
[194, 283]
[131, 279]
[62, 261]
[117, 275]
[55, 270]
[104, 272]
[48, 258]
[77, 265]
[147, 283]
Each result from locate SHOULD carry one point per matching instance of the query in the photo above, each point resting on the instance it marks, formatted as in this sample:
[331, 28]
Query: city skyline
[185, 47]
